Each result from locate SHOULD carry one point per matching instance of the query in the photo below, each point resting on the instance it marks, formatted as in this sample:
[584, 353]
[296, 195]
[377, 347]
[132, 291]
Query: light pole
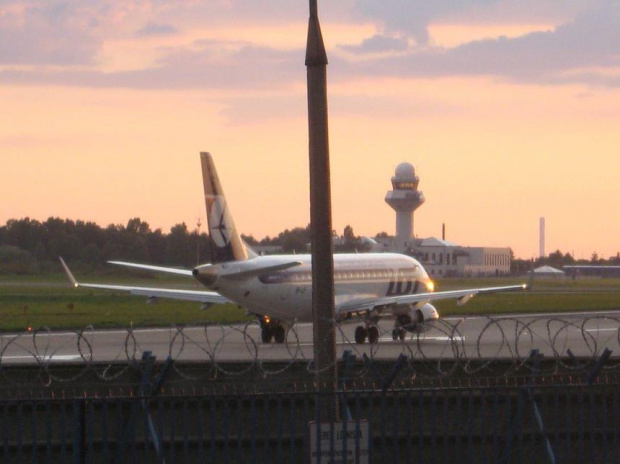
[320, 209]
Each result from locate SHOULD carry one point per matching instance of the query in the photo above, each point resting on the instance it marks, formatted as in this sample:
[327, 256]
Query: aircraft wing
[462, 296]
[148, 267]
[150, 292]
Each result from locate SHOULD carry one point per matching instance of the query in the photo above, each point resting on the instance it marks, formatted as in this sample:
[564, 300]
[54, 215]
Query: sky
[509, 110]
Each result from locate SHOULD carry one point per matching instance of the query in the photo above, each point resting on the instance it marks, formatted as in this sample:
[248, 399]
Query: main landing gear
[271, 329]
[366, 331]
[402, 324]
[398, 333]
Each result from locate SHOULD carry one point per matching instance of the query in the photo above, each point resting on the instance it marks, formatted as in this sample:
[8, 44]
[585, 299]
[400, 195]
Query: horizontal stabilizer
[173, 294]
[148, 267]
[149, 292]
[260, 270]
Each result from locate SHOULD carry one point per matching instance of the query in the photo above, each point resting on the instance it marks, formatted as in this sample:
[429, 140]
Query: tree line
[28, 246]
[557, 259]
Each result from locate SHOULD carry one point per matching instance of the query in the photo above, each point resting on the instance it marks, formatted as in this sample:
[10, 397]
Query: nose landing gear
[271, 329]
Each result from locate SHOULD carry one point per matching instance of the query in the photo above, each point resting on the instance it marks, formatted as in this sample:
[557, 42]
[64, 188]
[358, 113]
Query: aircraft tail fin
[226, 242]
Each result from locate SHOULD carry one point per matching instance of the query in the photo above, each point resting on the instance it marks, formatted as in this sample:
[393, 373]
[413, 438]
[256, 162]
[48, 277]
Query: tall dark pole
[320, 209]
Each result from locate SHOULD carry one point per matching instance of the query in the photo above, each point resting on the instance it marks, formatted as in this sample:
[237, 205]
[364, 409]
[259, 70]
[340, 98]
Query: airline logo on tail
[226, 243]
[218, 220]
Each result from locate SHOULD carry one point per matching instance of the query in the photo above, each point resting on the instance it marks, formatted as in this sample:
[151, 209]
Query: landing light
[267, 320]
[430, 285]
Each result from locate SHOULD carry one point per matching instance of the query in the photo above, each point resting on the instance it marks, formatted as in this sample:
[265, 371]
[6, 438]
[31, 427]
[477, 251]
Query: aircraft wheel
[395, 334]
[266, 334]
[401, 334]
[373, 334]
[360, 334]
[279, 334]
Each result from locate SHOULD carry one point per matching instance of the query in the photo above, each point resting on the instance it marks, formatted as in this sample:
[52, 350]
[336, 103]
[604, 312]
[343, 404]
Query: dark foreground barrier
[526, 424]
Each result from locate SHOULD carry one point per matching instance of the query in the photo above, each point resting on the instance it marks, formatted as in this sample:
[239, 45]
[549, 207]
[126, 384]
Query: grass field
[51, 302]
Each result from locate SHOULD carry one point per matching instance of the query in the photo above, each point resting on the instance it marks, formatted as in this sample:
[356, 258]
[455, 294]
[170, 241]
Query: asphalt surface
[508, 336]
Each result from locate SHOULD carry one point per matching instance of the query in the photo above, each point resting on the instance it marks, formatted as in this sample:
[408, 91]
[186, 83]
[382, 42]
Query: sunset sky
[509, 110]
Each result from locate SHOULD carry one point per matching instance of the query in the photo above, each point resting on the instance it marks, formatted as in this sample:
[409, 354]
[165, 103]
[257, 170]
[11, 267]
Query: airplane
[278, 288]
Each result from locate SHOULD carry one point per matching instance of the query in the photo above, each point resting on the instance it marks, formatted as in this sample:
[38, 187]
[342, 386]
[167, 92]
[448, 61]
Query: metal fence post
[144, 391]
[349, 361]
[536, 357]
[79, 431]
[398, 366]
[598, 366]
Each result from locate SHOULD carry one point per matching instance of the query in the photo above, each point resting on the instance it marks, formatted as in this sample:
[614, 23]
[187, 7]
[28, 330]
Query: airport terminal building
[446, 259]
[440, 257]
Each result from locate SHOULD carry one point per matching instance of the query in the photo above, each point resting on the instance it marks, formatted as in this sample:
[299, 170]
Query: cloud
[39, 32]
[65, 33]
[574, 52]
[564, 55]
[156, 29]
[411, 18]
[378, 44]
[207, 65]
[405, 17]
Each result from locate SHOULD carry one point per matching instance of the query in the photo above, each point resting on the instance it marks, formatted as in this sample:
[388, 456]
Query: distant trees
[14, 260]
[351, 243]
[295, 240]
[249, 239]
[298, 239]
[29, 246]
[85, 244]
[558, 260]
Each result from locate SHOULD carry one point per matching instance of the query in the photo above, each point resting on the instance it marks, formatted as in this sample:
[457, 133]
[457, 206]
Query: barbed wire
[493, 345]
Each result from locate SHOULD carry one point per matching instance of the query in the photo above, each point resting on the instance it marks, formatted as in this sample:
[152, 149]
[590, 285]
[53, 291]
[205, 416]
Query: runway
[507, 336]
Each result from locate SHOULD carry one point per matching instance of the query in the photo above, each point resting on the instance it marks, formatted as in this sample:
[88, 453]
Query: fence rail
[483, 425]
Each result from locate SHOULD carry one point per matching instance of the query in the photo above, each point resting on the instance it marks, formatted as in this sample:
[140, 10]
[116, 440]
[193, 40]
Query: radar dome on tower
[404, 171]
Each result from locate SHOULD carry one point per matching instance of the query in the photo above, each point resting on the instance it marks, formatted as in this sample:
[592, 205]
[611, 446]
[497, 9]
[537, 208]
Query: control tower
[404, 199]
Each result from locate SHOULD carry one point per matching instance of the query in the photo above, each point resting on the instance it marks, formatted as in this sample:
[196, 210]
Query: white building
[441, 258]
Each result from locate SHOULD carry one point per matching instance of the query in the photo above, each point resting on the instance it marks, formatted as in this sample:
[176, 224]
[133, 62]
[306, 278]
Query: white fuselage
[287, 294]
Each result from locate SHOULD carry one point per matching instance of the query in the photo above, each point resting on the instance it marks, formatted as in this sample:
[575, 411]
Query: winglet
[68, 272]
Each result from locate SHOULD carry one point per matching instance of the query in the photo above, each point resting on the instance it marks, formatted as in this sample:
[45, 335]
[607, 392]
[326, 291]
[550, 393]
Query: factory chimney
[542, 238]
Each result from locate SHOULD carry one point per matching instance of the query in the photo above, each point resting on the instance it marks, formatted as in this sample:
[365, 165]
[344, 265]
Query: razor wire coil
[445, 348]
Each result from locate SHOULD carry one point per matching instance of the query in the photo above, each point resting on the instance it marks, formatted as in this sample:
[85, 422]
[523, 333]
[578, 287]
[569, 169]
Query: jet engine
[428, 313]
[414, 320]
